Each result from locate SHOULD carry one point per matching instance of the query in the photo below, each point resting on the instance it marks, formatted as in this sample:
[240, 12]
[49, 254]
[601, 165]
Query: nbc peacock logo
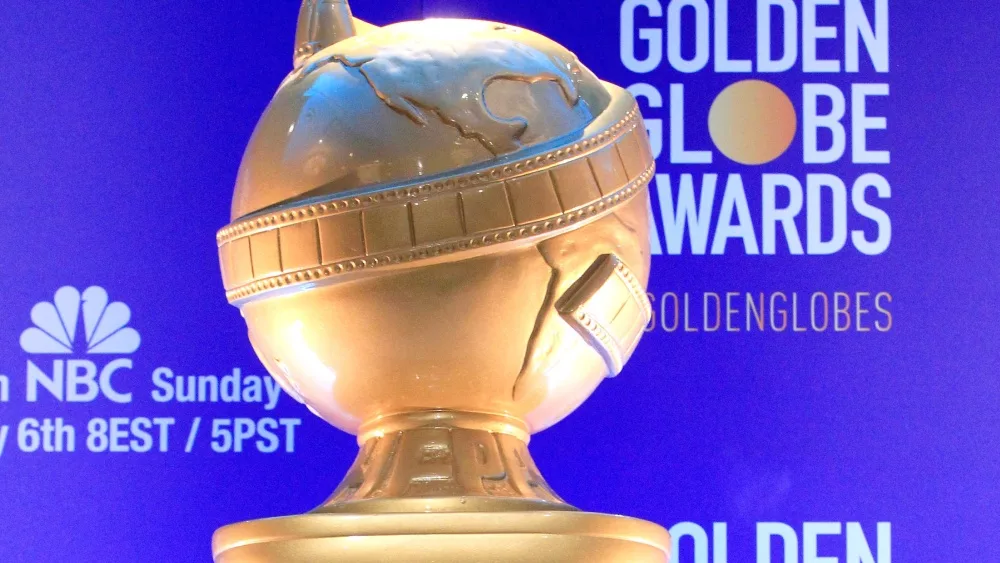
[58, 331]
[105, 324]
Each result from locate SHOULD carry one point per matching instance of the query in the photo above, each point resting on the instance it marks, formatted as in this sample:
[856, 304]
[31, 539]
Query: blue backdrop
[807, 433]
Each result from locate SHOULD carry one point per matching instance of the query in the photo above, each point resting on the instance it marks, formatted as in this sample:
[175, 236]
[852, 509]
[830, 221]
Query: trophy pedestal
[470, 537]
[444, 487]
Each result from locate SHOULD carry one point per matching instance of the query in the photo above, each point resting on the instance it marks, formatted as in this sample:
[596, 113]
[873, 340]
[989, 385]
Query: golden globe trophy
[439, 244]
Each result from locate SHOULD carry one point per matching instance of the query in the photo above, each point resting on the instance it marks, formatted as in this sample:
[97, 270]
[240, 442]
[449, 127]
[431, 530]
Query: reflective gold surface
[439, 243]
[408, 101]
[561, 537]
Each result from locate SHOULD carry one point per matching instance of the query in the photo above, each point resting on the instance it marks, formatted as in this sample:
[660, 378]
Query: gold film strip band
[544, 194]
[609, 307]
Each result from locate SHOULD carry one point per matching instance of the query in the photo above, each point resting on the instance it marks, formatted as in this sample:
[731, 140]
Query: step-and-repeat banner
[819, 381]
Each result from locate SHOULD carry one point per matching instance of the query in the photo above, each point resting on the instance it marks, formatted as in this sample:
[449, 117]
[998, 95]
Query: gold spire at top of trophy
[321, 24]
[439, 243]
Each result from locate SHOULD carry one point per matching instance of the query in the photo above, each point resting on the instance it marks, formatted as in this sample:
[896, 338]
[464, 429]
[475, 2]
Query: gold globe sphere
[420, 197]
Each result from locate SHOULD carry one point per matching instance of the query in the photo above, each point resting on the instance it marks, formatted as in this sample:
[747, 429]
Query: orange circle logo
[752, 122]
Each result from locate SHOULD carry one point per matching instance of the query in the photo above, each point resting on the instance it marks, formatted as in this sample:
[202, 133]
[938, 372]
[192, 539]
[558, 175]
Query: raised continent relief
[447, 78]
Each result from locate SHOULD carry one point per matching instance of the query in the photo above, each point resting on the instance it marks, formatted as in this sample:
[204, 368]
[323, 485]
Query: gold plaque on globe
[439, 244]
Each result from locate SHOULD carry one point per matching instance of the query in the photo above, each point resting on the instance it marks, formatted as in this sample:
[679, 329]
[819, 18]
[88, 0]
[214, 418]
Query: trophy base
[470, 537]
